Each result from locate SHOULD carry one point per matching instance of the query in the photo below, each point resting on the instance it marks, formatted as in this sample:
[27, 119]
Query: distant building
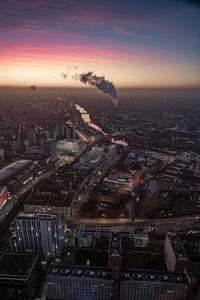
[152, 285]
[65, 131]
[19, 277]
[39, 233]
[3, 195]
[1, 157]
[66, 147]
[49, 148]
[118, 179]
[26, 145]
[12, 169]
[31, 137]
[175, 255]
[34, 150]
[70, 132]
[51, 134]
[78, 282]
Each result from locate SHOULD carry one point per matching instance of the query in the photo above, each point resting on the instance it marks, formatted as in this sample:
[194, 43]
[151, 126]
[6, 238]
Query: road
[97, 178]
[129, 222]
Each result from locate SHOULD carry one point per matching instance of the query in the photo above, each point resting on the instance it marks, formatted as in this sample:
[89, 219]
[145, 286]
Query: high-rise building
[49, 148]
[77, 282]
[176, 257]
[152, 285]
[70, 132]
[51, 134]
[65, 131]
[39, 233]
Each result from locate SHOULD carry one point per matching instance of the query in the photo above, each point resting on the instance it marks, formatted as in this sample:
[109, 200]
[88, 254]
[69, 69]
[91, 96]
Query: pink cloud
[36, 58]
[78, 51]
[128, 33]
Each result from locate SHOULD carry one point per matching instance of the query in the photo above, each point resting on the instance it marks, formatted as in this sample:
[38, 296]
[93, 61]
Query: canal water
[86, 118]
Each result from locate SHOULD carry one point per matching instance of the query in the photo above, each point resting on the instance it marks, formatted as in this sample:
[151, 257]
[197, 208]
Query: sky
[136, 43]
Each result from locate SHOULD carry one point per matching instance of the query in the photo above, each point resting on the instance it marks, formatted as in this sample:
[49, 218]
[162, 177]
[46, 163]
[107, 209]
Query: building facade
[152, 285]
[49, 148]
[41, 233]
[77, 282]
[176, 257]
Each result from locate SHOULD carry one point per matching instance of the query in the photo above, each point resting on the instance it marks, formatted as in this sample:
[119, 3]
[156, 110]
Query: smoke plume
[101, 83]
[63, 75]
[33, 88]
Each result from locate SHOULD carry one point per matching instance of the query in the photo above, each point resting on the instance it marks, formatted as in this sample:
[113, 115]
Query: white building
[72, 146]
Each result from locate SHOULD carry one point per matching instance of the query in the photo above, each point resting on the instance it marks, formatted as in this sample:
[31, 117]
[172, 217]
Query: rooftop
[58, 189]
[153, 276]
[104, 232]
[16, 266]
[13, 168]
[80, 271]
[177, 246]
[115, 248]
[38, 216]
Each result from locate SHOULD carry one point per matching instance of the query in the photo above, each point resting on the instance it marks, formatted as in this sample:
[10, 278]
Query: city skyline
[154, 45]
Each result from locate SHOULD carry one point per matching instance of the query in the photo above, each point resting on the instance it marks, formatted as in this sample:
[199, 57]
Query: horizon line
[119, 87]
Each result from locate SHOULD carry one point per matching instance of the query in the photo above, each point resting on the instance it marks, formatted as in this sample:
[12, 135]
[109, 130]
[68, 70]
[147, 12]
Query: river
[86, 118]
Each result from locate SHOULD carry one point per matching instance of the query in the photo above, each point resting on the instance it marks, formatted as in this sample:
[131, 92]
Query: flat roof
[16, 266]
[177, 246]
[115, 248]
[80, 271]
[37, 216]
[105, 232]
[13, 168]
[153, 276]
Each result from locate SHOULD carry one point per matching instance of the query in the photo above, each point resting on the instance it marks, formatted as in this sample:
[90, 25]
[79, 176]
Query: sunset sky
[136, 43]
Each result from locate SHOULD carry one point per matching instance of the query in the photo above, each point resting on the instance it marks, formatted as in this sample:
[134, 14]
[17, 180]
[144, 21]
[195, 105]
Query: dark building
[18, 276]
[193, 276]
[115, 261]
[175, 255]
[49, 148]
